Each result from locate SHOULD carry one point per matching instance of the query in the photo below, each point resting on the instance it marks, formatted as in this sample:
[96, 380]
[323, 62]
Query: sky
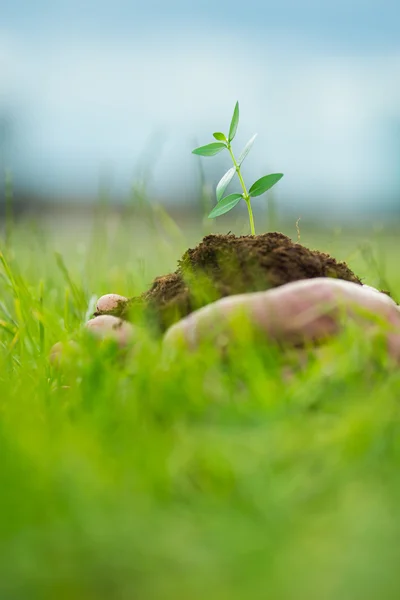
[98, 87]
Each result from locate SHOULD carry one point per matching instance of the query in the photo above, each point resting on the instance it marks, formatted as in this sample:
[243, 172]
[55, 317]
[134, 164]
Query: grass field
[194, 476]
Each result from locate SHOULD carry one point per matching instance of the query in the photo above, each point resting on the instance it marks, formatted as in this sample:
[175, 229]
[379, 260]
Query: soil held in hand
[224, 265]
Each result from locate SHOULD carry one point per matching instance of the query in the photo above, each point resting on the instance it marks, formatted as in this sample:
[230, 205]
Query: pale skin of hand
[300, 312]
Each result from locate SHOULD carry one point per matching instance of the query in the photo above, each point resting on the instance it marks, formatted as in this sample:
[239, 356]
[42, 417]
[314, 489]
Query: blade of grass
[77, 294]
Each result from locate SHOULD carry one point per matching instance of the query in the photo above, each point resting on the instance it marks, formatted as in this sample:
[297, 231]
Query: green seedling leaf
[264, 184]
[224, 182]
[234, 123]
[246, 149]
[220, 136]
[225, 205]
[209, 149]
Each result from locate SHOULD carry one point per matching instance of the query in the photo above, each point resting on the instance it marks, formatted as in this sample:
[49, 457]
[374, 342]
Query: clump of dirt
[224, 265]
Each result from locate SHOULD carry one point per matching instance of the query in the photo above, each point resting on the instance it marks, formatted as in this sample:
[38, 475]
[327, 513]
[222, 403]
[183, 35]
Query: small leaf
[234, 123]
[220, 136]
[224, 182]
[225, 205]
[210, 149]
[264, 184]
[246, 149]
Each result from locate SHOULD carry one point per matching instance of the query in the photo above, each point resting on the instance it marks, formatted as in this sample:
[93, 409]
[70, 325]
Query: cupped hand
[300, 312]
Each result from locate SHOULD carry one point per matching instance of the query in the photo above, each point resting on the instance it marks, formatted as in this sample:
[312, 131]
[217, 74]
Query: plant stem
[246, 196]
[251, 218]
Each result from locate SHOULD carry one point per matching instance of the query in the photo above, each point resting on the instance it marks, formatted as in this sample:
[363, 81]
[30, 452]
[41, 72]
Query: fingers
[298, 312]
[108, 326]
[111, 303]
[62, 351]
[102, 327]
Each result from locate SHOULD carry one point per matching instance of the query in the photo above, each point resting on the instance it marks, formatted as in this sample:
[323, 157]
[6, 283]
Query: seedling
[226, 203]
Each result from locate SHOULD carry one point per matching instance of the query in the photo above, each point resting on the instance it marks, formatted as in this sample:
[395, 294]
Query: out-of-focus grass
[148, 476]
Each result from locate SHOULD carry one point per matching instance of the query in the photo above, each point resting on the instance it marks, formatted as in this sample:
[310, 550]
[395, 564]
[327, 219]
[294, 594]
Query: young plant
[226, 203]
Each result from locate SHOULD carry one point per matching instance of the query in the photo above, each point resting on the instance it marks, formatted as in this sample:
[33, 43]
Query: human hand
[297, 313]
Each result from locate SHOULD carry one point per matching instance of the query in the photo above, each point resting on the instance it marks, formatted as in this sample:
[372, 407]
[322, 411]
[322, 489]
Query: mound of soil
[224, 265]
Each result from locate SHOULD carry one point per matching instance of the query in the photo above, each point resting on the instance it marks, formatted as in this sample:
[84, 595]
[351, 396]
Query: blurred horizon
[124, 90]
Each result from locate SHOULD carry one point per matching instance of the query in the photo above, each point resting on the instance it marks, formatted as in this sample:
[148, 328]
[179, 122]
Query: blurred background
[99, 95]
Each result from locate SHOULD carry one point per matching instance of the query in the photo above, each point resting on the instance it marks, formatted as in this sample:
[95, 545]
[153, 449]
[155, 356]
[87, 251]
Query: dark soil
[224, 265]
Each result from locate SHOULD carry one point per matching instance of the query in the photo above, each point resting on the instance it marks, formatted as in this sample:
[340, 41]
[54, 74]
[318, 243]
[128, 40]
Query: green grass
[143, 475]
